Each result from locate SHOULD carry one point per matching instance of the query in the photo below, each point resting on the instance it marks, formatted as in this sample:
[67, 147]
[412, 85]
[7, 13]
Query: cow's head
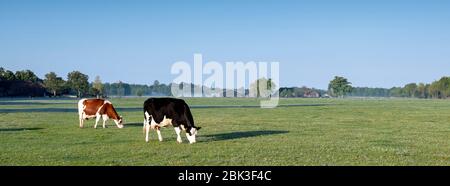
[119, 122]
[191, 133]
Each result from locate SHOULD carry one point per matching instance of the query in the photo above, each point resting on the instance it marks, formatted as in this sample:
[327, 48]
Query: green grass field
[315, 132]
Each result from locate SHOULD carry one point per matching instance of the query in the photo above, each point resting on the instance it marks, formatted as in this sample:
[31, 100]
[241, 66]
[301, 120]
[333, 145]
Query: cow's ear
[198, 128]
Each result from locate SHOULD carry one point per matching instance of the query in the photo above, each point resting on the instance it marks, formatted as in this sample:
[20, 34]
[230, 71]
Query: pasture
[308, 132]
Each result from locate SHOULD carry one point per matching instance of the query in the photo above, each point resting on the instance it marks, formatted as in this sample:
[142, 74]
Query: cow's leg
[97, 119]
[81, 115]
[143, 126]
[147, 130]
[104, 117]
[178, 131]
[81, 122]
[159, 134]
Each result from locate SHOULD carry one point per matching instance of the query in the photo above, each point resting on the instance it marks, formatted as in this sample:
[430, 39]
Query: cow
[163, 112]
[98, 108]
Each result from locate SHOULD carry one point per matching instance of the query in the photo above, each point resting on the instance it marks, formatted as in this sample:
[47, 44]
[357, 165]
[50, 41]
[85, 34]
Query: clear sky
[375, 43]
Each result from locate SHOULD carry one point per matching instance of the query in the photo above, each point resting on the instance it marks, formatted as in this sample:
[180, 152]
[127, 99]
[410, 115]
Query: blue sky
[375, 43]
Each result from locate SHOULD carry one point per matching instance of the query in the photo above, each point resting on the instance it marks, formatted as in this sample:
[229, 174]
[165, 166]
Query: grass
[330, 132]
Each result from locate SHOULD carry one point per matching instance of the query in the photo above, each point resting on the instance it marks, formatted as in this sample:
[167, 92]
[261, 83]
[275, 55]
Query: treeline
[124, 89]
[439, 89]
[25, 83]
[21, 83]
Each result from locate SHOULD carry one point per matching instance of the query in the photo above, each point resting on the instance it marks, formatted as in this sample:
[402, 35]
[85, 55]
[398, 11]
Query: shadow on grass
[133, 125]
[18, 129]
[239, 135]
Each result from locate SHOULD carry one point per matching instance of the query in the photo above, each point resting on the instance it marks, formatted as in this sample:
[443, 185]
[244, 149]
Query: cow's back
[91, 106]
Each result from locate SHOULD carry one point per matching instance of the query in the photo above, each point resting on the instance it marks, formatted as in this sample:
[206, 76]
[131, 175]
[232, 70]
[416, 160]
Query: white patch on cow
[191, 138]
[194, 131]
[178, 131]
[118, 124]
[147, 116]
[100, 108]
[165, 122]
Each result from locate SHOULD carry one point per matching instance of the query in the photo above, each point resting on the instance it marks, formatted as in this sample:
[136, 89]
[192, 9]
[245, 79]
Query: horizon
[378, 44]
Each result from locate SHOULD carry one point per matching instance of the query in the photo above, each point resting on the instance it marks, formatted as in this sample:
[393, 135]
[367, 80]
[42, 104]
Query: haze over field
[375, 43]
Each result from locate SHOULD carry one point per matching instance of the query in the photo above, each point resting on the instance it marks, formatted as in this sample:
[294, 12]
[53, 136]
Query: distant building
[311, 94]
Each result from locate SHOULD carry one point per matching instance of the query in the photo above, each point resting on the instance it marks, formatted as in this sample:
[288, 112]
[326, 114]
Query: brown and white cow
[98, 108]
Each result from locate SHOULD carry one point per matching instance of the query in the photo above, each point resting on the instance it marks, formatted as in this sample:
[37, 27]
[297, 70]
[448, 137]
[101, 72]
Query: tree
[262, 88]
[6, 75]
[27, 75]
[422, 91]
[53, 83]
[140, 92]
[120, 89]
[411, 89]
[339, 87]
[440, 89]
[97, 86]
[78, 82]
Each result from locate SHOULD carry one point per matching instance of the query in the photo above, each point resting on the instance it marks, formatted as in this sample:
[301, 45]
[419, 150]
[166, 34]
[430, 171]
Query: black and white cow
[162, 112]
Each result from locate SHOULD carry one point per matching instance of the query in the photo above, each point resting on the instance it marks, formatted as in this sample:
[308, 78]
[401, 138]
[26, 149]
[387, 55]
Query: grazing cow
[162, 112]
[98, 108]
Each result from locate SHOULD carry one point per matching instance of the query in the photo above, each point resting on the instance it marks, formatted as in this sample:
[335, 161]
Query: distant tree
[6, 75]
[156, 83]
[140, 92]
[53, 83]
[97, 86]
[262, 88]
[422, 91]
[411, 89]
[120, 89]
[433, 91]
[27, 75]
[444, 87]
[440, 89]
[339, 87]
[78, 82]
